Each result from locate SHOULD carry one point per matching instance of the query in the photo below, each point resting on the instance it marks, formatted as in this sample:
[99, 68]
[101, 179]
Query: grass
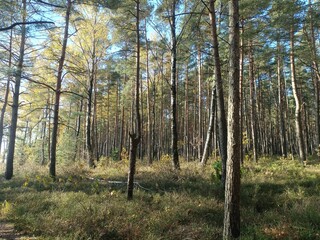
[279, 200]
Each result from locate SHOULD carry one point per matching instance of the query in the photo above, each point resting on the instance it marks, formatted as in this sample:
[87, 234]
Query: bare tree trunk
[199, 104]
[89, 123]
[6, 94]
[173, 88]
[16, 94]
[231, 229]
[54, 134]
[186, 117]
[296, 95]
[221, 115]
[241, 64]
[253, 112]
[135, 136]
[282, 102]
[149, 121]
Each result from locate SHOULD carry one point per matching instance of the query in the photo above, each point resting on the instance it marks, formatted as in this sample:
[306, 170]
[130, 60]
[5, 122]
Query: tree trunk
[186, 117]
[135, 136]
[6, 95]
[173, 88]
[89, 124]
[231, 229]
[54, 134]
[296, 95]
[149, 121]
[199, 104]
[253, 111]
[16, 94]
[282, 102]
[221, 115]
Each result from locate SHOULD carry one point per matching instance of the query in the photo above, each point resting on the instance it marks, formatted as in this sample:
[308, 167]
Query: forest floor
[279, 200]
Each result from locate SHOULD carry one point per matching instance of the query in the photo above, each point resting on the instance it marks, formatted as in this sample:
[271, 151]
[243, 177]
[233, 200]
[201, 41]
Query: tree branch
[24, 23]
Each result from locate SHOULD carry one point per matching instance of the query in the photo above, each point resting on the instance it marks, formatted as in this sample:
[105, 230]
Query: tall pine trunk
[231, 229]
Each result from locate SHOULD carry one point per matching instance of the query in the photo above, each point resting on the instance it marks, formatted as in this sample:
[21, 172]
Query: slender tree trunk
[186, 118]
[296, 95]
[173, 88]
[89, 124]
[149, 121]
[199, 104]
[6, 94]
[136, 135]
[231, 229]
[253, 111]
[16, 94]
[221, 115]
[282, 107]
[315, 69]
[54, 134]
[241, 64]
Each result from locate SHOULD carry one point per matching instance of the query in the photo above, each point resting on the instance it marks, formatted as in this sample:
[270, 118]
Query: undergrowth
[279, 200]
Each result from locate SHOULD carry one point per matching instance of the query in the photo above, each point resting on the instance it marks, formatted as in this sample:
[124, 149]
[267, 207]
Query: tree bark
[6, 94]
[221, 115]
[231, 229]
[173, 88]
[135, 136]
[296, 95]
[253, 111]
[54, 134]
[16, 94]
[282, 102]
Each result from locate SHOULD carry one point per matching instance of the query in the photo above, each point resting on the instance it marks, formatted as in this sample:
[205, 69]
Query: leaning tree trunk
[231, 229]
[221, 115]
[16, 94]
[135, 136]
[297, 99]
[54, 134]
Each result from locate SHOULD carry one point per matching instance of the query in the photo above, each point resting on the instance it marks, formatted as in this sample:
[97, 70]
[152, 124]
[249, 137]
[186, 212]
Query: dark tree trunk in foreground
[173, 88]
[135, 136]
[231, 229]
[54, 134]
[16, 94]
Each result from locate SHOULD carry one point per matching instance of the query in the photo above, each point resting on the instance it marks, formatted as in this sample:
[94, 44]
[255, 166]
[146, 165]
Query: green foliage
[217, 167]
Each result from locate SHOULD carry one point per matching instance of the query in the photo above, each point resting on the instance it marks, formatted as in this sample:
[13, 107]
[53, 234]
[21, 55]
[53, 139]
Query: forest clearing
[279, 200]
[160, 119]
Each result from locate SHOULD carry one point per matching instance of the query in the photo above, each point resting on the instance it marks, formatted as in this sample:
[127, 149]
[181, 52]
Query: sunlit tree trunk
[297, 99]
[253, 111]
[135, 135]
[221, 115]
[54, 134]
[16, 94]
[282, 102]
[231, 229]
